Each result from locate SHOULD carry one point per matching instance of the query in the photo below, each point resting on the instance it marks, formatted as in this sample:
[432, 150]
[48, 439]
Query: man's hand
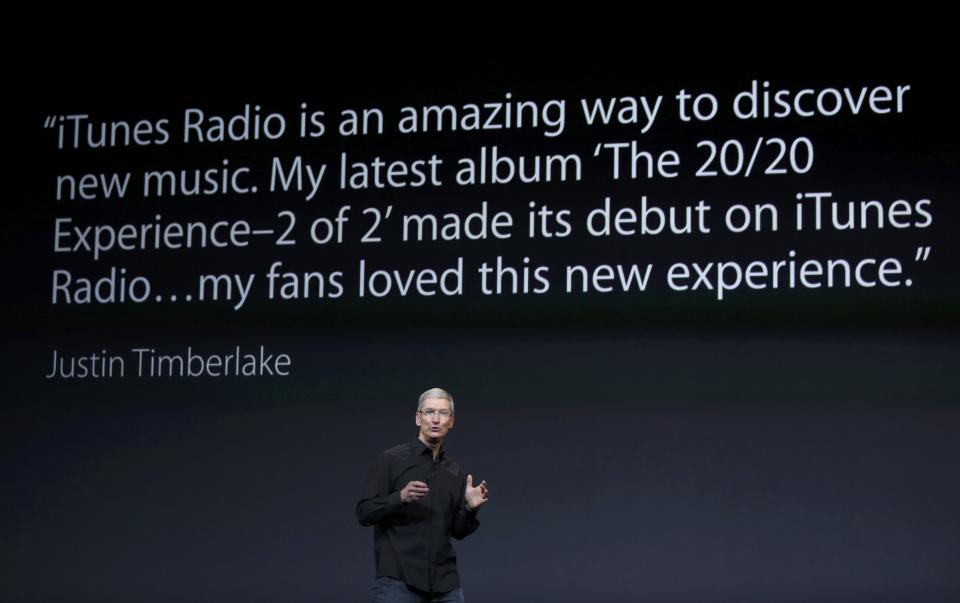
[475, 496]
[413, 491]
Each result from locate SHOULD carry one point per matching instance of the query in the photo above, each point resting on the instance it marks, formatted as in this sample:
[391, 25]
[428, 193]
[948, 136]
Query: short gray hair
[435, 392]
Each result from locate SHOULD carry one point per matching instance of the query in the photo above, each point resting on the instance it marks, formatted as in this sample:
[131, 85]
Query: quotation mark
[923, 253]
[50, 122]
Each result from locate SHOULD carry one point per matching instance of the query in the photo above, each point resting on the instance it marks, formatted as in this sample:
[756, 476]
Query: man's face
[433, 426]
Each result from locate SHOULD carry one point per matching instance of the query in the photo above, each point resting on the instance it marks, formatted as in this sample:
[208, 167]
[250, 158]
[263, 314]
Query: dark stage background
[774, 445]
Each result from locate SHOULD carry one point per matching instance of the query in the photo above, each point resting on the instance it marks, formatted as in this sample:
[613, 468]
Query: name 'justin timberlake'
[149, 363]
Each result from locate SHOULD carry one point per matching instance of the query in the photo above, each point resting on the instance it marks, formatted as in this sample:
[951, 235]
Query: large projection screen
[692, 286]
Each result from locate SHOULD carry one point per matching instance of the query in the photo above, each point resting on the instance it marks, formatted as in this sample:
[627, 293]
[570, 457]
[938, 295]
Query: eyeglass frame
[428, 414]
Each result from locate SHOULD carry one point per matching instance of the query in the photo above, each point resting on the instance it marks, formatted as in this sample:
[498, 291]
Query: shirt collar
[422, 448]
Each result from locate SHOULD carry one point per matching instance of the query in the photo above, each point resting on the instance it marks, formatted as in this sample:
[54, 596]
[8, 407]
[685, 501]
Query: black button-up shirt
[412, 540]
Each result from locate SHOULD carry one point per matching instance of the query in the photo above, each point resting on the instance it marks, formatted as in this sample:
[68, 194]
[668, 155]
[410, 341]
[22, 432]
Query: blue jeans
[391, 590]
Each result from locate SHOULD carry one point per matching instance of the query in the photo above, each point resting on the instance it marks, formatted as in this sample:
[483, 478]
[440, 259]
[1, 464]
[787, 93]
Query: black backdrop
[775, 445]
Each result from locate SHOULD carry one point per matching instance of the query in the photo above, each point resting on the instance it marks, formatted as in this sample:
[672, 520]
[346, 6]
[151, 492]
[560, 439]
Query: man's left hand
[476, 496]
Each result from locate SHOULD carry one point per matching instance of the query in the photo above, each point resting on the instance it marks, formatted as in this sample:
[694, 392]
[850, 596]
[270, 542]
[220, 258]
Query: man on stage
[416, 497]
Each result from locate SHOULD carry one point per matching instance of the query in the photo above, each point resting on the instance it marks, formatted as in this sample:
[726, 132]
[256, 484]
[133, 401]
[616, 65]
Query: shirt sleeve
[465, 521]
[377, 501]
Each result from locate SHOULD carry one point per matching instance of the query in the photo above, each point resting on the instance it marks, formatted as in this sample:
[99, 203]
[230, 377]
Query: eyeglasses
[431, 413]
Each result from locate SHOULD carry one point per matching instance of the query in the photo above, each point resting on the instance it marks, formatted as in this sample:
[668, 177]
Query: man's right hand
[413, 491]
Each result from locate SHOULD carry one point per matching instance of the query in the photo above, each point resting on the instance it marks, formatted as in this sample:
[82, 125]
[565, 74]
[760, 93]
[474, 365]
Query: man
[416, 497]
